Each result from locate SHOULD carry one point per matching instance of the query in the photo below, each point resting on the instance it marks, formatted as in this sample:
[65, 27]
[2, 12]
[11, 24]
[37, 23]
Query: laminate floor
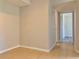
[61, 51]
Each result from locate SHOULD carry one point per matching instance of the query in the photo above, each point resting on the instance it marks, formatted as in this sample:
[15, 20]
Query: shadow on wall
[9, 25]
[8, 8]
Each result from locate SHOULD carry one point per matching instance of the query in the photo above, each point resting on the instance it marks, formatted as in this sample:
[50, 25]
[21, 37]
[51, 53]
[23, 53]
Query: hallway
[67, 40]
[64, 51]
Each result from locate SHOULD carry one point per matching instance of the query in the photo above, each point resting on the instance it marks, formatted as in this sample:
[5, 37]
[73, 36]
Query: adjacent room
[66, 27]
[39, 29]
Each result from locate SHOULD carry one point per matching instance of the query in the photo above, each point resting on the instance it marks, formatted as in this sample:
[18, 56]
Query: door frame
[74, 27]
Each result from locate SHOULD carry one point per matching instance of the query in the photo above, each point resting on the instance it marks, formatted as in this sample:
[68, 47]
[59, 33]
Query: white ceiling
[55, 2]
[19, 3]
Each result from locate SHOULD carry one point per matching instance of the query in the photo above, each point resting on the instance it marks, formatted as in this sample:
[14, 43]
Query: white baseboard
[52, 47]
[76, 50]
[6, 50]
[38, 49]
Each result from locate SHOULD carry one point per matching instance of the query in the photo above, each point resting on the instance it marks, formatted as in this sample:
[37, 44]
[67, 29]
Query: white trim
[50, 49]
[40, 49]
[76, 50]
[34, 48]
[6, 50]
[56, 22]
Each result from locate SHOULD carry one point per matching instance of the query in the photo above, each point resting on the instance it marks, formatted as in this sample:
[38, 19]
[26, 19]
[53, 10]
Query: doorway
[66, 27]
[65, 32]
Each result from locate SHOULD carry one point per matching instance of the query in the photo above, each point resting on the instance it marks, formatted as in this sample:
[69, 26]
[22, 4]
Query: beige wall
[66, 7]
[34, 24]
[38, 24]
[77, 27]
[9, 25]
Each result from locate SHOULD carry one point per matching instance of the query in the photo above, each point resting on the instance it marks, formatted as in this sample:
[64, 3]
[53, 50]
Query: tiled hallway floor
[63, 51]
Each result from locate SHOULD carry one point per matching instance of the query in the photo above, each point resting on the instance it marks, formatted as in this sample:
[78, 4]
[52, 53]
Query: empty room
[39, 29]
